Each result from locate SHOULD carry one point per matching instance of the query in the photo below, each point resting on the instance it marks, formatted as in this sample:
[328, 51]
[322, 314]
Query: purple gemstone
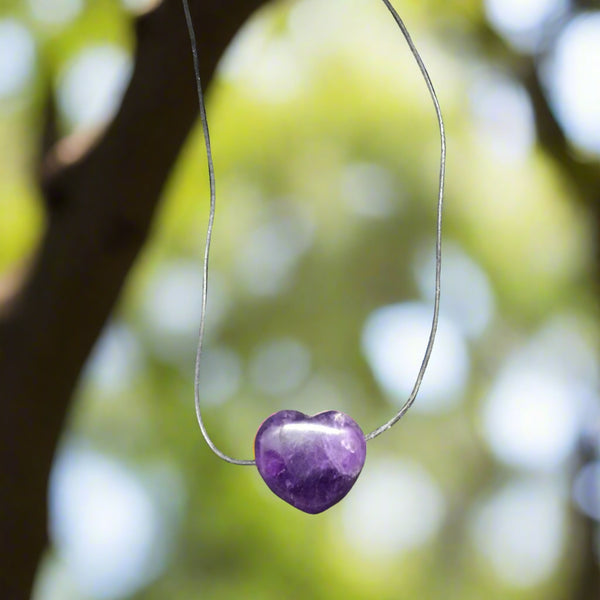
[310, 462]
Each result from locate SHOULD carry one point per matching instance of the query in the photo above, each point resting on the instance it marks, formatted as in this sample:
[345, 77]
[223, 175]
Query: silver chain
[438, 240]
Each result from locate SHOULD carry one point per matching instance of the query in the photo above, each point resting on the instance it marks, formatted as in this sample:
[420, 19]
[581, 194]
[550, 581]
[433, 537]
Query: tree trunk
[99, 211]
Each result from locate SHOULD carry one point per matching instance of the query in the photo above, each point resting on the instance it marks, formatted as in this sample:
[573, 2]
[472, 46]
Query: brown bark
[99, 211]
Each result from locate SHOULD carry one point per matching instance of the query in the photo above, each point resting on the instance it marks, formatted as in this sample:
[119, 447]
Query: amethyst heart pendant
[310, 462]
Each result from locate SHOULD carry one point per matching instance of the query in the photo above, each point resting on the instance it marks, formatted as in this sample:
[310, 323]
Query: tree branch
[100, 208]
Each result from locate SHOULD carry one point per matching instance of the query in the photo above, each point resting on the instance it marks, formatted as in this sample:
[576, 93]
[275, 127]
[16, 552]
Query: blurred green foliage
[285, 162]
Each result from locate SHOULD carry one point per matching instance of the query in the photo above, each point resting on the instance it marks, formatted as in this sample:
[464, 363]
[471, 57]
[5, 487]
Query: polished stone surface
[310, 462]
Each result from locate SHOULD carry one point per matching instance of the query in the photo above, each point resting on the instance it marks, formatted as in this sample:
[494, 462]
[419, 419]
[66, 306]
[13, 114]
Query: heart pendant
[310, 462]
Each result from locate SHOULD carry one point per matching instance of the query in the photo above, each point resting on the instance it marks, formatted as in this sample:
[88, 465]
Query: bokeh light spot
[572, 76]
[17, 57]
[530, 418]
[468, 299]
[586, 490]
[220, 374]
[90, 88]
[520, 530]
[174, 298]
[172, 306]
[140, 6]
[533, 414]
[395, 507]
[104, 524]
[269, 254]
[279, 366]
[504, 117]
[394, 341]
[369, 190]
[266, 64]
[115, 360]
[522, 21]
[55, 12]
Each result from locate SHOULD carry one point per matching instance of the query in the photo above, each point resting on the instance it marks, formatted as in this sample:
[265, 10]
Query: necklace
[312, 462]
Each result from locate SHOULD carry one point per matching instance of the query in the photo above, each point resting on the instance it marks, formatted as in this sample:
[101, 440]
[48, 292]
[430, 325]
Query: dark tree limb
[99, 211]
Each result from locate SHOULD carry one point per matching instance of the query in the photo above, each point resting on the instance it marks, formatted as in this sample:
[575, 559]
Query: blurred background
[326, 152]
